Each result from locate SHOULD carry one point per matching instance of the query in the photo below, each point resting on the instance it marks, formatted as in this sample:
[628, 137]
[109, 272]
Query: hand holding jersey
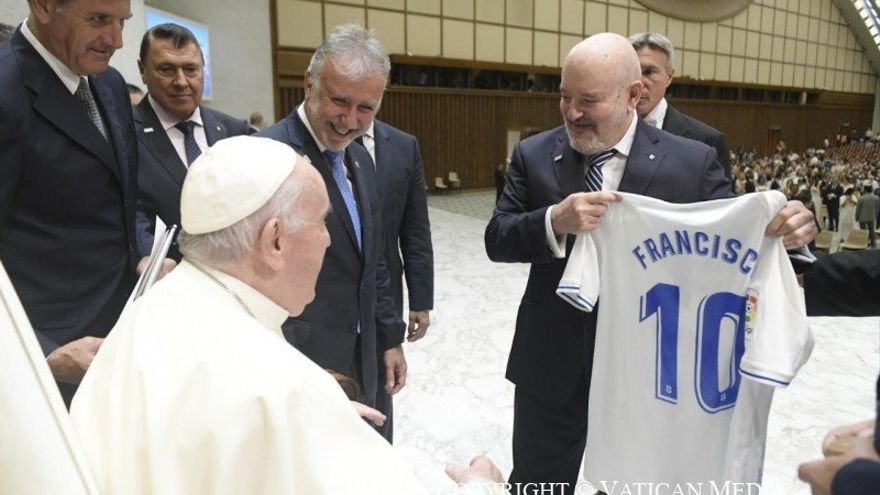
[750, 322]
[583, 212]
[580, 212]
[795, 224]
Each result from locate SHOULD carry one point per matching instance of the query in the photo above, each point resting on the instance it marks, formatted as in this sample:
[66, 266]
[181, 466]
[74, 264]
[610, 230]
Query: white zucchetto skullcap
[231, 180]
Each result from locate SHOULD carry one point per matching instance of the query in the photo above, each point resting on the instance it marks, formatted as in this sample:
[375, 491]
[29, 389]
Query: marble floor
[457, 403]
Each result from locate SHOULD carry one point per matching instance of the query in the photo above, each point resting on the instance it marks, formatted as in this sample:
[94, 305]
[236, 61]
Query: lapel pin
[557, 158]
[148, 129]
[356, 164]
[651, 156]
[219, 128]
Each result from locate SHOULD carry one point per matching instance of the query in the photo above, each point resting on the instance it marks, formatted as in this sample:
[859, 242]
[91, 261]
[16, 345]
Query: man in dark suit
[401, 184]
[68, 178]
[656, 59]
[352, 318]
[831, 193]
[846, 284]
[545, 203]
[172, 126]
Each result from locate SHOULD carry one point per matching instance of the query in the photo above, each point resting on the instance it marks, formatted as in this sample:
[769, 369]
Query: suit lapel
[61, 108]
[569, 167]
[214, 129]
[643, 162]
[674, 124]
[114, 127]
[383, 155]
[153, 138]
[302, 141]
[359, 186]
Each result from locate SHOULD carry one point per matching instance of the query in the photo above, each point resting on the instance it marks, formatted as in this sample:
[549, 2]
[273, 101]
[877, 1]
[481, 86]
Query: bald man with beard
[546, 202]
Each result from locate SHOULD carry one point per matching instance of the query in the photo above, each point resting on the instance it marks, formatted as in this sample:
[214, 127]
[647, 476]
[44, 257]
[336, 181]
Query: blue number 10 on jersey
[699, 318]
[663, 302]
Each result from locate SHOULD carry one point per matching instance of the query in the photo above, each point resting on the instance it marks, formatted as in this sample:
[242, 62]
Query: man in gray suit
[867, 210]
[656, 59]
[172, 126]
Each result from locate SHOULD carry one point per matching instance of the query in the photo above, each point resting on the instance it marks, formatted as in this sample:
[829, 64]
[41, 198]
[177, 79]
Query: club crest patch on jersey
[752, 296]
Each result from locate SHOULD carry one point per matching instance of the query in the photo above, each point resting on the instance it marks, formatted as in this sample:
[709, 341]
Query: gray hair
[656, 41]
[357, 53]
[232, 244]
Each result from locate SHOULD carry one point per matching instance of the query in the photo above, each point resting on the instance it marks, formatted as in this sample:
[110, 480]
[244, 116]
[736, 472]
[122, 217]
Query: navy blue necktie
[594, 174]
[338, 169]
[189, 140]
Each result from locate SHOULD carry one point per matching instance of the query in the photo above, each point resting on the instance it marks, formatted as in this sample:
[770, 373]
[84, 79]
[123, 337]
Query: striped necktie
[190, 146]
[594, 174]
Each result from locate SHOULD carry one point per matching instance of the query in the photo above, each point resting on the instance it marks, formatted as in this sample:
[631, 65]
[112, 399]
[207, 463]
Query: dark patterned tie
[189, 140]
[87, 102]
[594, 174]
[338, 169]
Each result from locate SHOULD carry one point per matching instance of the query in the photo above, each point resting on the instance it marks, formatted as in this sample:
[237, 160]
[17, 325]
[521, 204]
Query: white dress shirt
[657, 116]
[67, 77]
[175, 135]
[369, 140]
[612, 173]
[301, 111]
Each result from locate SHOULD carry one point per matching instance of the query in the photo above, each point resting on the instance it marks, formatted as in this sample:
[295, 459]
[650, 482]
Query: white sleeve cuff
[556, 244]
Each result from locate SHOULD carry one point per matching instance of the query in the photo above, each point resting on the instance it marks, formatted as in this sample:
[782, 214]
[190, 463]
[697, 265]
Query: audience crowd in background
[833, 175]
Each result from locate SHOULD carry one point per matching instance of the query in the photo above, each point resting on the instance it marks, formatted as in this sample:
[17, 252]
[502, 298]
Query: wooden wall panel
[466, 130]
[802, 126]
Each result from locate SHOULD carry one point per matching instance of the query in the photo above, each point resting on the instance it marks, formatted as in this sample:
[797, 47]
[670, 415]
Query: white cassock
[190, 394]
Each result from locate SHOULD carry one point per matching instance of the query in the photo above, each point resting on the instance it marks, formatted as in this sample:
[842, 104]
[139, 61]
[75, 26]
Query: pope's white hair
[232, 244]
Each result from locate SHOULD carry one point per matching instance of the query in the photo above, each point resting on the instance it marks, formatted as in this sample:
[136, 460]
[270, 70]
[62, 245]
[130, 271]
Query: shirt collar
[623, 146]
[301, 111]
[67, 76]
[658, 115]
[167, 120]
[369, 131]
[269, 314]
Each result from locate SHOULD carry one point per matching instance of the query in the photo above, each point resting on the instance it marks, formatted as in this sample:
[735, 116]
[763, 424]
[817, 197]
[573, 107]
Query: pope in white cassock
[195, 389]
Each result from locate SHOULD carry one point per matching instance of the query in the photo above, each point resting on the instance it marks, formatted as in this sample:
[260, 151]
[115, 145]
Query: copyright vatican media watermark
[614, 488]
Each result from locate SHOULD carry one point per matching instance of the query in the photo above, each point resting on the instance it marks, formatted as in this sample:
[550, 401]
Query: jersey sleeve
[579, 284]
[778, 340]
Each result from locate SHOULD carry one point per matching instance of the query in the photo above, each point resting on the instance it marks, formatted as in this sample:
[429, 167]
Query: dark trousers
[548, 443]
[384, 402]
[833, 219]
[872, 234]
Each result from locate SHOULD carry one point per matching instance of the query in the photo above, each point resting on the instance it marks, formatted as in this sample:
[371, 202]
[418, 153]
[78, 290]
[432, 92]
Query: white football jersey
[694, 298]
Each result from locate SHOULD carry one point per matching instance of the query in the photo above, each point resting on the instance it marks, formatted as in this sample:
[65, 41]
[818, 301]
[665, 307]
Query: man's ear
[41, 10]
[635, 92]
[268, 246]
[308, 81]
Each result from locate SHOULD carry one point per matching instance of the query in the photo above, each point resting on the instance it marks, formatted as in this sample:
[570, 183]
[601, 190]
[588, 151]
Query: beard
[593, 143]
[587, 145]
